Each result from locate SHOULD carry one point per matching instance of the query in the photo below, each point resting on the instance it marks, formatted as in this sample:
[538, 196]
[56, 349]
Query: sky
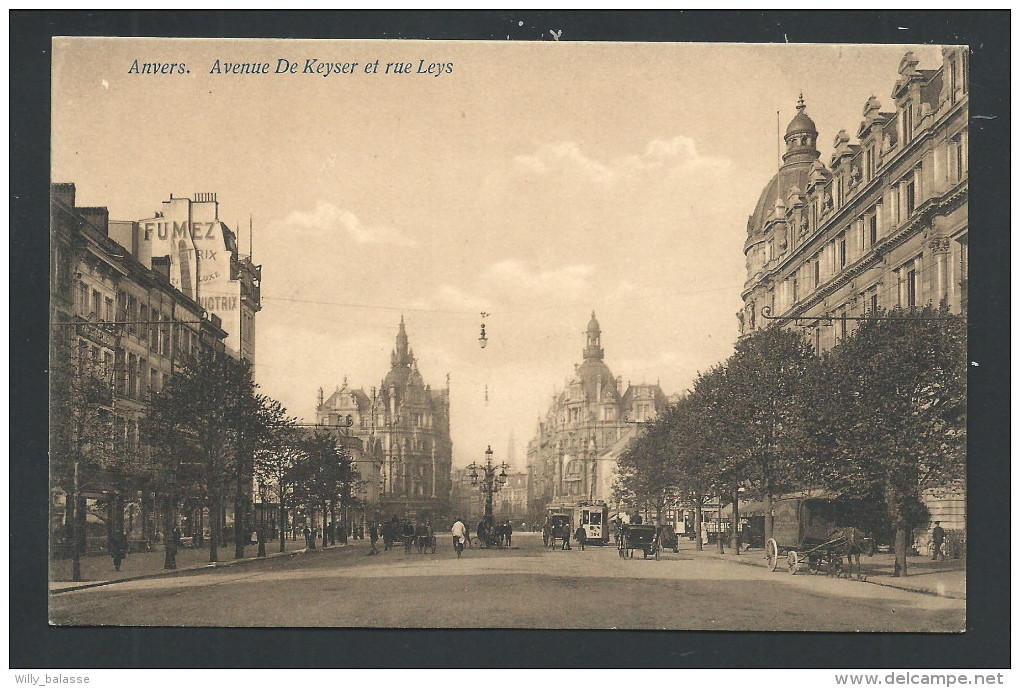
[535, 182]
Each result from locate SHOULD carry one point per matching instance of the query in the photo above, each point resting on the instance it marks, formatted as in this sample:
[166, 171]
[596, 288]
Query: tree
[83, 440]
[647, 468]
[885, 413]
[195, 414]
[258, 421]
[695, 443]
[762, 382]
[322, 474]
[275, 467]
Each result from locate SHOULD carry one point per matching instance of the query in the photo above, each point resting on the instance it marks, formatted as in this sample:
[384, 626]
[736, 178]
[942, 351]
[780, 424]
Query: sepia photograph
[508, 335]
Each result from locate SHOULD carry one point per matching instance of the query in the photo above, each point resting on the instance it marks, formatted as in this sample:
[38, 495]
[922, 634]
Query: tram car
[594, 518]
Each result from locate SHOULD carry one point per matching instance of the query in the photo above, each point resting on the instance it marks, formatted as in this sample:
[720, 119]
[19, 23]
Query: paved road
[527, 587]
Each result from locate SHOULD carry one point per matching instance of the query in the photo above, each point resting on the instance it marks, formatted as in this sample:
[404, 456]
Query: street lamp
[488, 481]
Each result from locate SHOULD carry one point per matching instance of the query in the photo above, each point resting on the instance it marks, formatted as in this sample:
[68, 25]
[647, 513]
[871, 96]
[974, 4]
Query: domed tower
[778, 218]
[800, 137]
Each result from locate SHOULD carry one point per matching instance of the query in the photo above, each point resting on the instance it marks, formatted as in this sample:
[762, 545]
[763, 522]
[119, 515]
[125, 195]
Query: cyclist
[459, 536]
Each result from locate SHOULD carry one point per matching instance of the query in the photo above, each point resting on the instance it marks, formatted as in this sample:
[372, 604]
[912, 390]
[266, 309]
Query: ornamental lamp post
[488, 481]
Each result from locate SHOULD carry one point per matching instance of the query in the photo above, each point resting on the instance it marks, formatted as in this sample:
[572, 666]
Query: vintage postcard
[464, 334]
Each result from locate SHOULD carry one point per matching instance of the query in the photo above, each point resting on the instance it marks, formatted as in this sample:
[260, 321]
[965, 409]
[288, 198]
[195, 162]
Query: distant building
[511, 502]
[883, 225]
[405, 428]
[573, 455]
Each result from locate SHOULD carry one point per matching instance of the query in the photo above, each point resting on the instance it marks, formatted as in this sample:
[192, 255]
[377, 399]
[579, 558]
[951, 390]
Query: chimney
[63, 193]
[97, 217]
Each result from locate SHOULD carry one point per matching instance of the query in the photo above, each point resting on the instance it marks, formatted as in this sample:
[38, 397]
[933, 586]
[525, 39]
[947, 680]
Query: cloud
[516, 276]
[567, 160]
[327, 220]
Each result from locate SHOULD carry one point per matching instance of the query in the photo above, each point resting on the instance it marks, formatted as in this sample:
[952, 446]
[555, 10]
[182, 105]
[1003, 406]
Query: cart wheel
[792, 562]
[476, 542]
[771, 554]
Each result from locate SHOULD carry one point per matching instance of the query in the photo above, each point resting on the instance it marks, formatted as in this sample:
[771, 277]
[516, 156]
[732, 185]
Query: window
[963, 272]
[912, 287]
[154, 330]
[908, 122]
[909, 190]
[143, 377]
[894, 197]
[841, 250]
[817, 272]
[952, 78]
[873, 229]
[795, 295]
[132, 314]
[121, 372]
[153, 381]
[956, 158]
[869, 162]
[83, 300]
[132, 376]
[97, 304]
[108, 310]
[842, 325]
[772, 250]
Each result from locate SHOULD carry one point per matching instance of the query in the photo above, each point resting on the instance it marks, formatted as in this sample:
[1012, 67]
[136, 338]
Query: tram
[592, 516]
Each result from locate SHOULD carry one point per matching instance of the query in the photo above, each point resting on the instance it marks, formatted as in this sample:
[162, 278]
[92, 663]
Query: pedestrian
[509, 533]
[565, 532]
[118, 548]
[581, 535]
[938, 538]
[373, 536]
[467, 533]
[308, 537]
[459, 532]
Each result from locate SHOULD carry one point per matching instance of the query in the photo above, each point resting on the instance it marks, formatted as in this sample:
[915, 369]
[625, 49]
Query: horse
[850, 542]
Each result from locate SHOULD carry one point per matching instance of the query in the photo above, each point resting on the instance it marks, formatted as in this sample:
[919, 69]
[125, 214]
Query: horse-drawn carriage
[639, 537]
[806, 533]
[557, 527]
[424, 539]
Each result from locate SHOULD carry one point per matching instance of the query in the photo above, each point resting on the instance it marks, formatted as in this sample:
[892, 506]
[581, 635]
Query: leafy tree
[647, 468]
[693, 438]
[885, 413]
[759, 401]
[83, 440]
[258, 423]
[275, 467]
[322, 474]
[195, 414]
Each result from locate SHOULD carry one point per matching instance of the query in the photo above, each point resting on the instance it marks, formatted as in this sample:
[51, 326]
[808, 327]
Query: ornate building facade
[572, 456]
[884, 224]
[405, 428]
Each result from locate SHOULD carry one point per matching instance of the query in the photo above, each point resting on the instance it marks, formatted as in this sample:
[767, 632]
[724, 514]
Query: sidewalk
[97, 569]
[941, 578]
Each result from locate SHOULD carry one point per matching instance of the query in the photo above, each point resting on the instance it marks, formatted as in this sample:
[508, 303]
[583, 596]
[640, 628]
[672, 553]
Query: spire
[401, 354]
[800, 102]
